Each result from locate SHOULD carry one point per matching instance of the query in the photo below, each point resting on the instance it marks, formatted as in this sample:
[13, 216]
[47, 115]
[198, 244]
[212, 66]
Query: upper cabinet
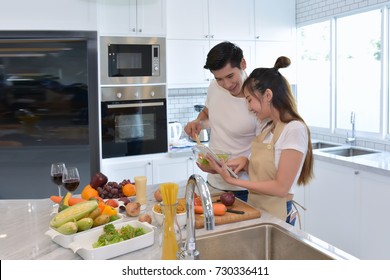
[47, 15]
[210, 19]
[274, 20]
[187, 19]
[195, 26]
[132, 17]
[231, 19]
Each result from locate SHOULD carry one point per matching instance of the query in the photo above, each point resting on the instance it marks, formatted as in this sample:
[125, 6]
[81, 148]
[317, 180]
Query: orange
[128, 190]
[89, 192]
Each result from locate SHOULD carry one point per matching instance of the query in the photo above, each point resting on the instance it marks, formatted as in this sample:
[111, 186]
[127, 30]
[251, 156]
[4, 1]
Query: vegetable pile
[111, 235]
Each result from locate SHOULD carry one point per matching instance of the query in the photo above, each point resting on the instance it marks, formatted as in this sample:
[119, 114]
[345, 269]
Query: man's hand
[193, 128]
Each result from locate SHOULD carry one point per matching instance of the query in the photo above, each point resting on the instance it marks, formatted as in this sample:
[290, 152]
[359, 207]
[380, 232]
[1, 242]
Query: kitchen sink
[350, 151]
[261, 242]
[323, 145]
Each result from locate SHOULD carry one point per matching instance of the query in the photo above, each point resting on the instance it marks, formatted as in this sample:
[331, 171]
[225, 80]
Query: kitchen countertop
[24, 223]
[378, 163]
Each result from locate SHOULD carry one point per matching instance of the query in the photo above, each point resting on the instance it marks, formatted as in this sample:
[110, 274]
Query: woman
[281, 155]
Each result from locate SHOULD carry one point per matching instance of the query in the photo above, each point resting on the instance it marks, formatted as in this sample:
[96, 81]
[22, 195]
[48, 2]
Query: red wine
[71, 184]
[57, 178]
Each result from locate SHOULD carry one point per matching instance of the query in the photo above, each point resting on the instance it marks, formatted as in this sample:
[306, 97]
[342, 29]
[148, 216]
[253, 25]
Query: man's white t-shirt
[233, 128]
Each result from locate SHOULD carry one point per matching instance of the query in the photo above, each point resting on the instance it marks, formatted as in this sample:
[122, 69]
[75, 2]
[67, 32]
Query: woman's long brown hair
[283, 100]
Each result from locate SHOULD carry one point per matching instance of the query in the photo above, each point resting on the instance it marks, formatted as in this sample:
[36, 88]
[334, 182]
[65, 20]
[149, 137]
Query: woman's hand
[219, 167]
[238, 164]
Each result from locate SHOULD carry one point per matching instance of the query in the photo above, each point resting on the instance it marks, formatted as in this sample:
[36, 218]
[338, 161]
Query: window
[340, 64]
[313, 78]
[358, 71]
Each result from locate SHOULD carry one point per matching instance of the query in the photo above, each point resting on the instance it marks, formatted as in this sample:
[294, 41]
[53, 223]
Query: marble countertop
[378, 162]
[24, 223]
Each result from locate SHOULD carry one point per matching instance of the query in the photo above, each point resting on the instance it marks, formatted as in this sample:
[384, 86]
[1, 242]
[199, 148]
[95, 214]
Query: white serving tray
[65, 239]
[82, 244]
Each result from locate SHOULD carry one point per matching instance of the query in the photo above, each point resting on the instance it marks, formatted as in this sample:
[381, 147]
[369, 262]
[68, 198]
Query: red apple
[98, 180]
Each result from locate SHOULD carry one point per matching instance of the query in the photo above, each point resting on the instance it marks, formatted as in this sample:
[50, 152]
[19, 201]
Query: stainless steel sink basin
[323, 145]
[260, 242]
[350, 151]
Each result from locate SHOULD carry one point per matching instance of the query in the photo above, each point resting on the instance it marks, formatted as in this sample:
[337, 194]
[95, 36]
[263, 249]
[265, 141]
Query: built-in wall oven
[133, 96]
[133, 120]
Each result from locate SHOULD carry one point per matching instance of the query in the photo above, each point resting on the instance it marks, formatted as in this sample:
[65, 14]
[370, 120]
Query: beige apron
[262, 168]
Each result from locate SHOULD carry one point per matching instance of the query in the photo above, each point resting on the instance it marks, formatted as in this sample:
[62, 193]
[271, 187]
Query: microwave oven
[132, 60]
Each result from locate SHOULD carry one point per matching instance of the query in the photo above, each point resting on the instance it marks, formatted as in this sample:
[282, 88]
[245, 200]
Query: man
[232, 125]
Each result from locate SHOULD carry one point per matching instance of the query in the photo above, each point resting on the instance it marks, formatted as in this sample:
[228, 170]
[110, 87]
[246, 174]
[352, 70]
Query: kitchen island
[24, 223]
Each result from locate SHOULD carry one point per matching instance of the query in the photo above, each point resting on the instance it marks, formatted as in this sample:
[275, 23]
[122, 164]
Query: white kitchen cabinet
[274, 20]
[186, 59]
[187, 19]
[46, 15]
[231, 19]
[210, 19]
[373, 215]
[132, 17]
[333, 206]
[172, 169]
[118, 170]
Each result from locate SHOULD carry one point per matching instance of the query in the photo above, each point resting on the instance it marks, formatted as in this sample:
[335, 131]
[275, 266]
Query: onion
[133, 209]
[157, 195]
[227, 198]
[145, 218]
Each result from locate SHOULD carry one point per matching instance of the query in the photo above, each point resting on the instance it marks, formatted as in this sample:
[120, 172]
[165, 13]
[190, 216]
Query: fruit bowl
[159, 217]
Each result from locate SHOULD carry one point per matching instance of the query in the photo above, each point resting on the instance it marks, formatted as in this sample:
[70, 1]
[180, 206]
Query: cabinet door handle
[257, 37]
[356, 172]
[149, 163]
[133, 29]
[212, 36]
[140, 30]
[206, 36]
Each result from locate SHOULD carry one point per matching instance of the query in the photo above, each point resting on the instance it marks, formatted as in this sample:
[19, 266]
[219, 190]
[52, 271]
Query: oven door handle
[136, 105]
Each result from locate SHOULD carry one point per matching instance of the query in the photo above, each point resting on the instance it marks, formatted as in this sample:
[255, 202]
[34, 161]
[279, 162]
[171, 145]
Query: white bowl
[181, 218]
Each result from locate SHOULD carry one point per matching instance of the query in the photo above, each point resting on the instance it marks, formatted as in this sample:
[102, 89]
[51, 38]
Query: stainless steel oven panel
[133, 93]
[104, 76]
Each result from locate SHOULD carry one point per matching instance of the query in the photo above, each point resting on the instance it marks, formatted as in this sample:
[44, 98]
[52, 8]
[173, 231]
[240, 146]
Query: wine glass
[56, 174]
[71, 178]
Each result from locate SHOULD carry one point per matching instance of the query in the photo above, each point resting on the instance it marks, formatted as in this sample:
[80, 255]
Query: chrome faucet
[188, 251]
[352, 139]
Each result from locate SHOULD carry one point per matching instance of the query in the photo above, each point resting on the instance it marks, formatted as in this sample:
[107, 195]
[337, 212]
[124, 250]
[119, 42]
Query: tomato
[197, 201]
[112, 203]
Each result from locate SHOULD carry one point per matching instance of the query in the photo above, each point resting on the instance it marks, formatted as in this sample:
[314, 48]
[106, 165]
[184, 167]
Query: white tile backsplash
[181, 103]
[312, 10]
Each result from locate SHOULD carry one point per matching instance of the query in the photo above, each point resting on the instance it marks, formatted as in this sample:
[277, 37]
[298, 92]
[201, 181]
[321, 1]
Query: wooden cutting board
[250, 213]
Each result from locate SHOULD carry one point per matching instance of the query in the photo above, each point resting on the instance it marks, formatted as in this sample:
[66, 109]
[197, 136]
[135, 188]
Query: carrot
[72, 200]
[219, 209]
[75, 200]
[198, 209]
[56, 198]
